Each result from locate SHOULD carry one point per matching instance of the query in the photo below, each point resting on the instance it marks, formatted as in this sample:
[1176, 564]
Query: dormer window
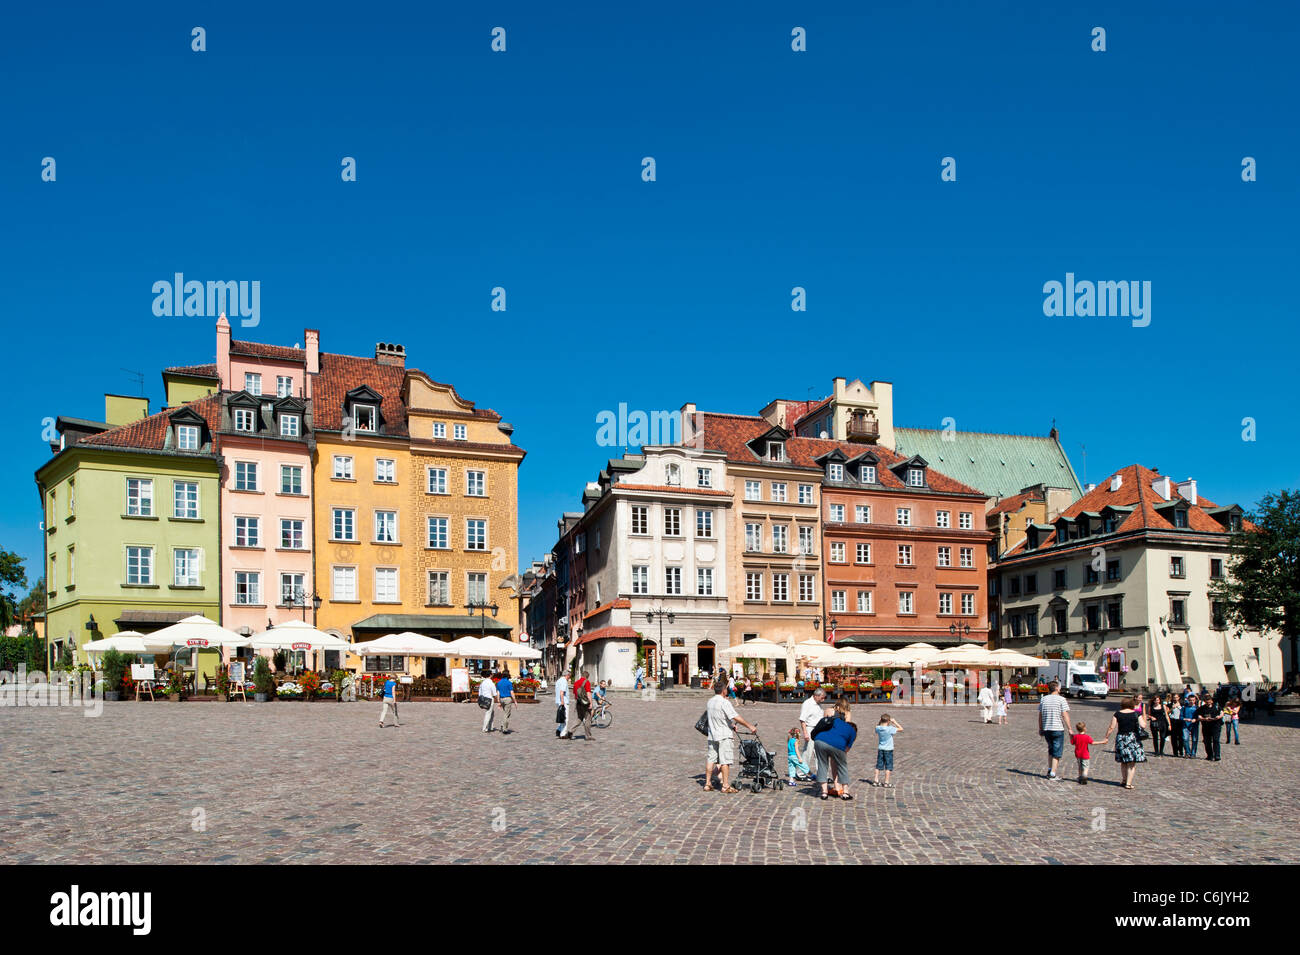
[868, 474]
[1234, 523]
[916, 477]
[290, 425]
[704, 477]
[1110, 524]
[1031, 538]
[365, 418]
[1180, 517]
[776, 450]
[245, 419]
[672, 475]
[187, 437]
[835, 472]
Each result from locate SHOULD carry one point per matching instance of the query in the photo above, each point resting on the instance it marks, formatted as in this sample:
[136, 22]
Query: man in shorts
[722, 738]
[1053, 718]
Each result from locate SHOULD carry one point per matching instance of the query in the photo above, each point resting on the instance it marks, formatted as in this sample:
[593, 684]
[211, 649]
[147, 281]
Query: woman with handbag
[1128, 750]
[833, 737]
[487, 699]
[1160, 724]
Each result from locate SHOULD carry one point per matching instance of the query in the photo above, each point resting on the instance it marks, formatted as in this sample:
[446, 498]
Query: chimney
[1163, 487]
[1188, 490]
[387, 354]
[223, 352]
[312, 337]
[1116, 482]
[124, 409]
[690, 418]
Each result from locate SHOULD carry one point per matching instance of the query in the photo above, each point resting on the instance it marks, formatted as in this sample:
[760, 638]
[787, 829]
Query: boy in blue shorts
[885, 731]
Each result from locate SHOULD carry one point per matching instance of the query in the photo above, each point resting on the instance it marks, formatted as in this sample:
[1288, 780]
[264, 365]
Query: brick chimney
[223, 352]
[387, 354]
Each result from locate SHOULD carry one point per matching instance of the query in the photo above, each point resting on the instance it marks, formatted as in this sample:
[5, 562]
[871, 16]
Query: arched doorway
[706, 655]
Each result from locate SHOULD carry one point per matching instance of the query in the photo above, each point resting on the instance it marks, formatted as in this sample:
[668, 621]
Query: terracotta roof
[340, 374]
[1015, 502]
[621, 604]
[607, 633]
[470, 445]
[732, 433]
[810, 408]
[1136, 492]
[259, 350]
[195, 371]
[150, 433]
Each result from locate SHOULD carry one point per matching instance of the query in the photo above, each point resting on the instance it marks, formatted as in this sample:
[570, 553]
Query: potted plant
[309, 683]
[176, 685]
[281, 661]
[223, 682]
[337, 678]
[114, 665]
[289, 691]
[263, 682]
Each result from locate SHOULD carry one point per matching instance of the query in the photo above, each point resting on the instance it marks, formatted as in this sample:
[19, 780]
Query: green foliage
[1262, 586]
[281, 660]
[13, 577]
[26, 649]
[263, 682]
[114, 666]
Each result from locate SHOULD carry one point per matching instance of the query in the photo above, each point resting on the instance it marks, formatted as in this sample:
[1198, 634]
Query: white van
[1078, 678]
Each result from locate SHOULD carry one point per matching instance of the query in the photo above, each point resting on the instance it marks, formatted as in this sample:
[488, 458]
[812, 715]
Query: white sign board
[408, 679]
[142, 671]
[459, 680]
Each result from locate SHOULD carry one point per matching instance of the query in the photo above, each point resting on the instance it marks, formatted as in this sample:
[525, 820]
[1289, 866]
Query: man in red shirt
[581, 707]
[1082, 741]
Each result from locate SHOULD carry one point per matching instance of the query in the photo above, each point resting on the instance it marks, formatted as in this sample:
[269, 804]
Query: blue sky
[774, 169]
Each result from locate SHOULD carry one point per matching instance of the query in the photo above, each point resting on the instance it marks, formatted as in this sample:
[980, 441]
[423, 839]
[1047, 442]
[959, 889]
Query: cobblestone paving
[321, 783]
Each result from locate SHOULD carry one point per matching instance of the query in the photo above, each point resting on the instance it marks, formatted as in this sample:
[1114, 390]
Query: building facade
[132, 511]
[1124, 577]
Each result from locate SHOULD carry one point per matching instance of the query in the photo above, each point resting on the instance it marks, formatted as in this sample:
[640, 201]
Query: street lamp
[300, 597]
[482, 607]
[959, 632]
[650, 618]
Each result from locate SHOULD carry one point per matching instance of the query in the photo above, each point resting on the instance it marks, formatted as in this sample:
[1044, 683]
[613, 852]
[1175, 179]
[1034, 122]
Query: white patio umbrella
[970, 656]
[404, 644]
[297, 635]
[128, 641]
[1014, 659]
[467, 648]
[495, 648]
[198, 631]
[889, 658]
[759, 649]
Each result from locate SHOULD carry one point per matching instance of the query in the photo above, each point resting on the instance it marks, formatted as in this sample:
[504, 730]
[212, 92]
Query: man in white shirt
[561, 704]
[986, 703]
[722, 738]
[813, 709]
[487, 690]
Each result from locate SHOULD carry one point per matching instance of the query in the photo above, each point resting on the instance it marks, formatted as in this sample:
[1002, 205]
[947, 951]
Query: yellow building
[462, 495]
[415, 495]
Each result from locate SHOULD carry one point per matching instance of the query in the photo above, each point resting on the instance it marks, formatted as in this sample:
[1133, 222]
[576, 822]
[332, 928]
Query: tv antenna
[138, 377]
[1084, 449]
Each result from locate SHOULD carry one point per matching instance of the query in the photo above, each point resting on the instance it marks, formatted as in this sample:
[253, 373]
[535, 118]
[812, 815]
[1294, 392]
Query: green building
[131, 521]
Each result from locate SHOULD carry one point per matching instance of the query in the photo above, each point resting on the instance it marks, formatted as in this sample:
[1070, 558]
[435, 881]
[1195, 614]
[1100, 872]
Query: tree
[33, 603]
[1262, 588]
[13, 577]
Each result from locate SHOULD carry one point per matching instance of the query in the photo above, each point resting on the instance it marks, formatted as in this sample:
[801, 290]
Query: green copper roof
[998, 464]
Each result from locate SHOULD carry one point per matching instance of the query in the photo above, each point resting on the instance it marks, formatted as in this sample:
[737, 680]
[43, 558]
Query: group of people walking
[1181, 720]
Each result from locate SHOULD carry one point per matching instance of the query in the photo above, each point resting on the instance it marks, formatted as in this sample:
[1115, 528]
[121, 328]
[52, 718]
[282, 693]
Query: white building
[1124, 577]
[654, 536]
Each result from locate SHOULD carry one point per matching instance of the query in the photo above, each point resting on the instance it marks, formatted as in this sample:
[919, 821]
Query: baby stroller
[758, 765]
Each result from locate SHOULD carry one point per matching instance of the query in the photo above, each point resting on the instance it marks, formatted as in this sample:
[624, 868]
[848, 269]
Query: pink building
[266, 440]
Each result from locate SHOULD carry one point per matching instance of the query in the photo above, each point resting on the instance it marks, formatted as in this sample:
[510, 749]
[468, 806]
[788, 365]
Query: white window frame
[835, 472]
[967, 557]
[704, 477]
[253, 382]
[287, 470]
[863, 553]
[779, 492]
[704, 523]
[640, 580]
[704, 581]
[805, 493]
[864, 601]
[945, 603]
[344, 519]
[284, 386]
[906, 602]
[368, 411]
[439, 429]
[753, 585]
[753, 490]
[290, 426]
[780, 539]
[838, 551]
[839, 601]
[248, 588]
[460, 432]
[291, 529]
[443, 580]
[187, 437]
[835, 513]
[943, 519]
[968, 605]
[436, 528]
[244, 470]
[386, 470]
[905, 555]
[672, 522]
[192, 563]
[903, 516]
[387, 575]
[966, 520]
[640, 518]
[186, 513]
[475, 483]
[673, 580]
[435, 480]
[245, 420]
[342, 468]
[862, 513]
[781, 588]
[476, 534]
[807, 588]
[248, 531]
[143, 497]
[385, 522]
[347, 574]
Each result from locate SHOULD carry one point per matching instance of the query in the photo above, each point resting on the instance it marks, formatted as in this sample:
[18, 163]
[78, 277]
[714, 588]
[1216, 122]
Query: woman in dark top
[1175, 711]
[832, 745]
[1160, 725]
[1128, 749]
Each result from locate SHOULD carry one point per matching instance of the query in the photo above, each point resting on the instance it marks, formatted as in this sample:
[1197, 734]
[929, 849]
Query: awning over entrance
[869, 641]
[147, 621]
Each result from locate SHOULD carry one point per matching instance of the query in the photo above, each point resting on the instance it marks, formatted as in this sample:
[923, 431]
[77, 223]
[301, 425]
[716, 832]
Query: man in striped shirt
[1053, 718]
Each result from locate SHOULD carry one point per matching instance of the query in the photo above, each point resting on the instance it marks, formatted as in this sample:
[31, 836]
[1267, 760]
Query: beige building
[1124, 577]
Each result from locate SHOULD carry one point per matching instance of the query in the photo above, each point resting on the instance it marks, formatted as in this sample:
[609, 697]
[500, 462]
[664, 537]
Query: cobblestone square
[322, 783]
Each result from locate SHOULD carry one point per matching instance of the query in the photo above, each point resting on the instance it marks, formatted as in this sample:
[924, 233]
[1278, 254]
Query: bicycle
[601, 716]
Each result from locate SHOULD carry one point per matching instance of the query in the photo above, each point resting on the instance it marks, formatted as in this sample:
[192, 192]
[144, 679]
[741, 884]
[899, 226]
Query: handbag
[702, 724]
[823, 724]
[485, 702]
